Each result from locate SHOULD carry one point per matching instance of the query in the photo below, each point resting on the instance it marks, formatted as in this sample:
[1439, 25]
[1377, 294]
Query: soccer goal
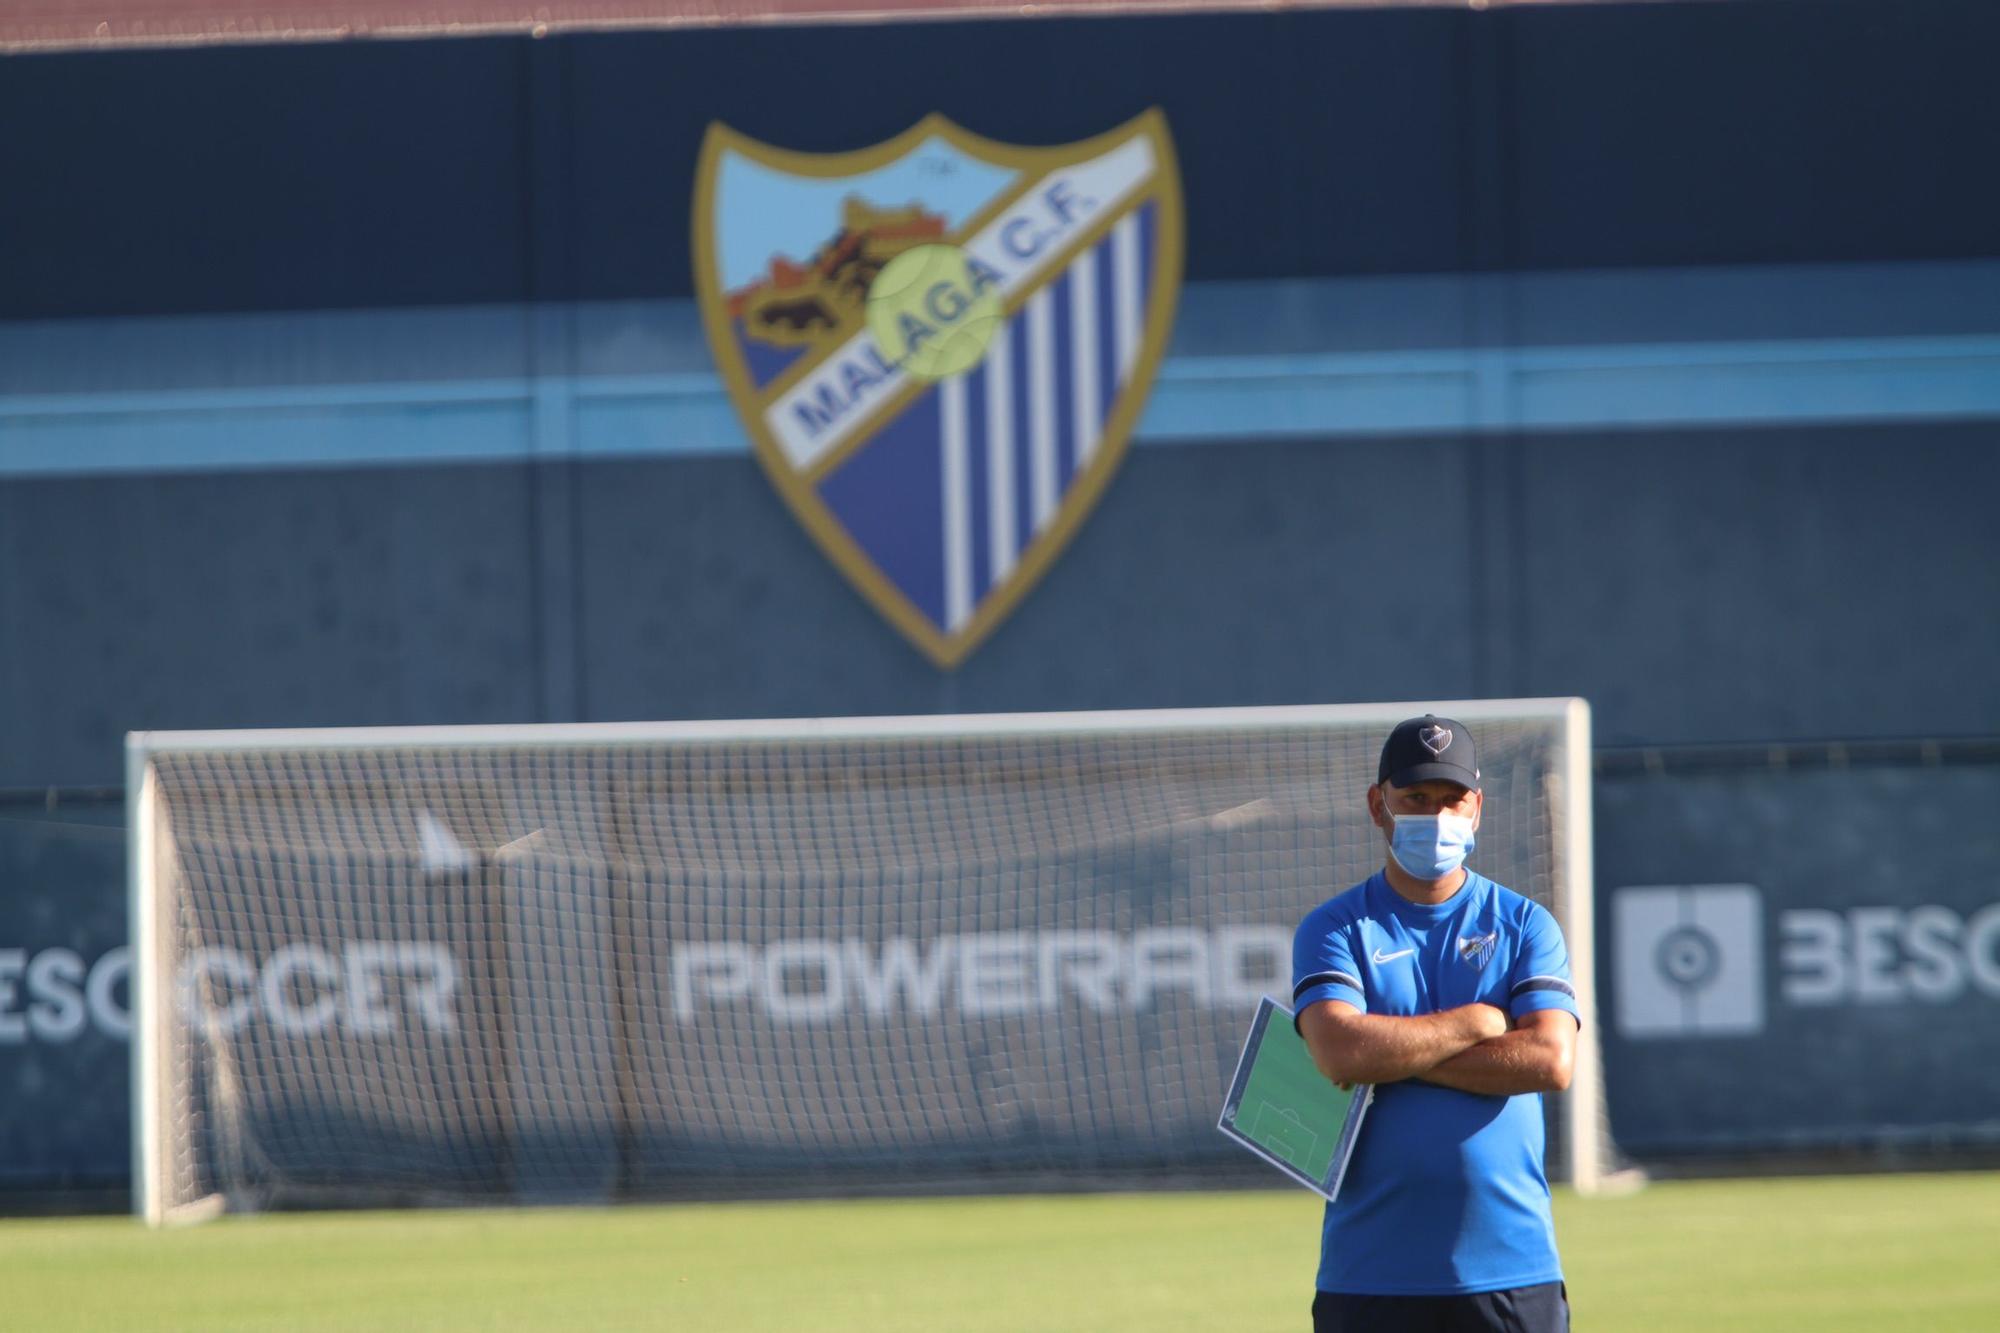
[592, 962]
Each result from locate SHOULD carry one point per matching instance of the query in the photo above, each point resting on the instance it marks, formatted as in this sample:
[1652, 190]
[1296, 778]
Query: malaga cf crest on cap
[939, 346]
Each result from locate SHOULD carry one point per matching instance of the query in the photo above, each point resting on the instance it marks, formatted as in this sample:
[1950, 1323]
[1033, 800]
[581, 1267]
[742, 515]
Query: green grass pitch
[1874, 1253]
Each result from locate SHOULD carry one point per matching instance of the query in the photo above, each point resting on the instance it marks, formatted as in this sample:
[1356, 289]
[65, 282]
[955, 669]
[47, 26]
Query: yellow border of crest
[947, 651]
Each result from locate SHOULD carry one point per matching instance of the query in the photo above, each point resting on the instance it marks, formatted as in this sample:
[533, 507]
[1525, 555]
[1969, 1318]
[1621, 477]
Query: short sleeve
[1540, 978]
[1323, 966]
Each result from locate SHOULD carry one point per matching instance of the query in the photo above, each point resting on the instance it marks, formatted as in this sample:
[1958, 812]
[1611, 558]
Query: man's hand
[1536, 1056]
[1351, 1047]
[1488, 1020]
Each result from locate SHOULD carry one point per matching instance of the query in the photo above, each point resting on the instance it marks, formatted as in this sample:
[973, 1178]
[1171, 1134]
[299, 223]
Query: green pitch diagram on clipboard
[1283, 1109]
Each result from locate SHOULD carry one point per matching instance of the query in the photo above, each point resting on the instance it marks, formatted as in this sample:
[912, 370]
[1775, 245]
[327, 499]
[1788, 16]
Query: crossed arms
[1472, 1048]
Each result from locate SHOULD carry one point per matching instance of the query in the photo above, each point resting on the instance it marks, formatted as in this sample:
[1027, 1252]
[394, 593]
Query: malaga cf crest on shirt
[940, 346]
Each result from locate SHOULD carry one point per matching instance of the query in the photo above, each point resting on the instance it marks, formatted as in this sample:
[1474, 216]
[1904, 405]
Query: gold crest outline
[947, 651]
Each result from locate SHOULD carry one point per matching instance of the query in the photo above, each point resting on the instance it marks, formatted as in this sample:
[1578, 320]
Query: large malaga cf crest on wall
[940, 346]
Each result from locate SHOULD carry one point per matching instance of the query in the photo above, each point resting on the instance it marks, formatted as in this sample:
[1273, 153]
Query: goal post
[626, 961]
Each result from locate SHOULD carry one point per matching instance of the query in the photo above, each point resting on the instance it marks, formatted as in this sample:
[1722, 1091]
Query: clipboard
[1284, 1110]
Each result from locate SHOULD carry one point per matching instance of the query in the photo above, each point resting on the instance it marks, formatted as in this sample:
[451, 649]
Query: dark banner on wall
[1801, 960]
[64, 992]
[1789, 961]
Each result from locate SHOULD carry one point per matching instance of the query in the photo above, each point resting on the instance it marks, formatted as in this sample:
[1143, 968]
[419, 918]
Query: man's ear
[1478, 807]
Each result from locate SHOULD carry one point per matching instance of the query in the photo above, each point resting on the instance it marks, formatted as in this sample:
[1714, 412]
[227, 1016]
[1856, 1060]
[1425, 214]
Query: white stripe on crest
[957, 502]
[1083, 342]
[1042, 407]
[1125, 291]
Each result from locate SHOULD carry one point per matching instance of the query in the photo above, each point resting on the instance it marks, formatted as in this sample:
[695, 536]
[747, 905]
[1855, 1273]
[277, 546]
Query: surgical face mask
[1431, 846]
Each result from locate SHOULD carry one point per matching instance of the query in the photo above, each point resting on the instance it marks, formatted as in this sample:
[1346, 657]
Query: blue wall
[1314, 143]
[1698, 586]
[1649, 353]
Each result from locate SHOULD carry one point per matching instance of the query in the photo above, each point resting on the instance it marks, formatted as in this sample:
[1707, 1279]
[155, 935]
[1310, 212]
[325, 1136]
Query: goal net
[568, 963]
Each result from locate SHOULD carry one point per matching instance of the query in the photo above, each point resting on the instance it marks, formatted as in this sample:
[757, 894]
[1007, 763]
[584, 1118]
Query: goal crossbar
[908, 727]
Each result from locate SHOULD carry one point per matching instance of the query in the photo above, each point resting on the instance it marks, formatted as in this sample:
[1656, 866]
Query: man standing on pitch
[1452, 995]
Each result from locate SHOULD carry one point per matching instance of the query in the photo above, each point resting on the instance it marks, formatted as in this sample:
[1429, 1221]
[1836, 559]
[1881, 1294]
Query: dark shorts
[1537, 1309]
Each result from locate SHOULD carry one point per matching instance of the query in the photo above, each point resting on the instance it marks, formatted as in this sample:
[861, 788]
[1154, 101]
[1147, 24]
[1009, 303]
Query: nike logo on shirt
[1381, 957]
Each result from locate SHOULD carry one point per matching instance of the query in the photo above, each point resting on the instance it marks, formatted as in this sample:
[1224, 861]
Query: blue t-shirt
[1446, 1192]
